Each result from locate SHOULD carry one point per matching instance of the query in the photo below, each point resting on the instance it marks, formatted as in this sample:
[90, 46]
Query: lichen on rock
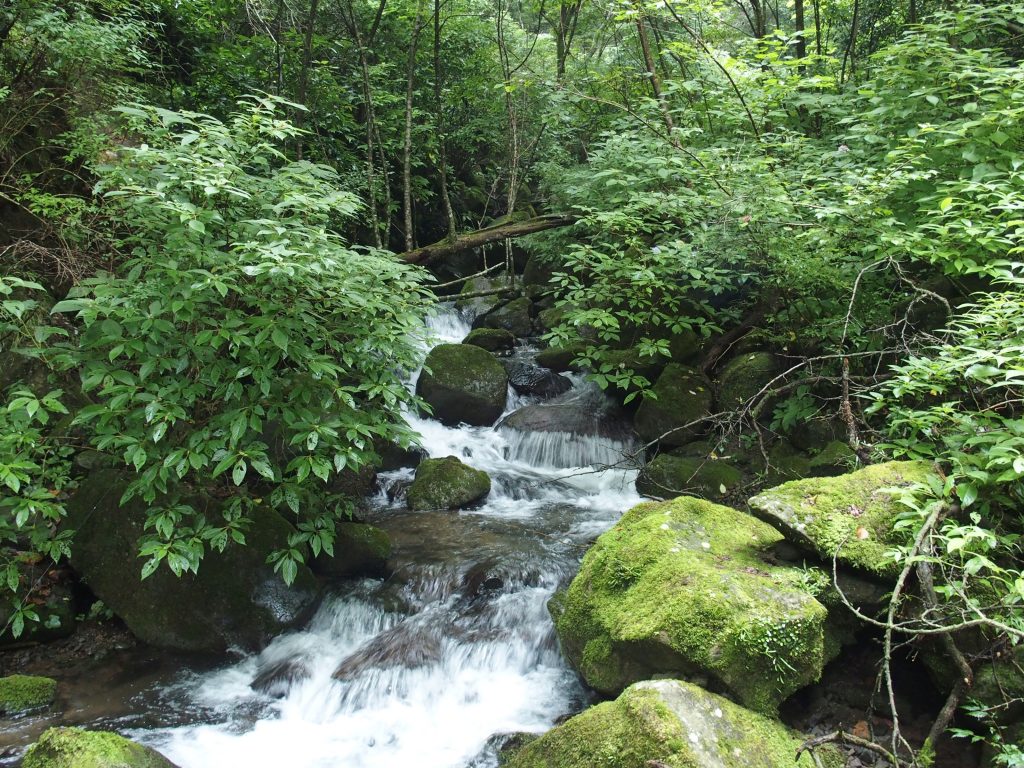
[446, 484]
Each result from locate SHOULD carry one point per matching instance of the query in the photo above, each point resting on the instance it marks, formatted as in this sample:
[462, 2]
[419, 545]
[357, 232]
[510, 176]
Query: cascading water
[429, 666]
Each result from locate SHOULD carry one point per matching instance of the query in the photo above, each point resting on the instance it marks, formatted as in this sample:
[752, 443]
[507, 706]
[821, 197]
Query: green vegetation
[77, 748]
[21, 693]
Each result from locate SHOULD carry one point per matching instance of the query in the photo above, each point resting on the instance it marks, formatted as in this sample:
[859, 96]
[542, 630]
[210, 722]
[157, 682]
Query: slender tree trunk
[410, 82]
[307, 58]
[801, 40]
[442, 148]
[817, 27]
[652, 74]
[849, 52]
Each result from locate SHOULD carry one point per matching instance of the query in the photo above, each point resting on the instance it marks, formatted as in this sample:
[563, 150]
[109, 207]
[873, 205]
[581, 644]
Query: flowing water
[431, 666]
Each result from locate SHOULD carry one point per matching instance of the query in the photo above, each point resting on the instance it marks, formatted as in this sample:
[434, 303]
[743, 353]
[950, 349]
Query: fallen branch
[480, 237]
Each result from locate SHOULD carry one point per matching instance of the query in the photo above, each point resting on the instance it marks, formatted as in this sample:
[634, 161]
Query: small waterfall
[456, 648]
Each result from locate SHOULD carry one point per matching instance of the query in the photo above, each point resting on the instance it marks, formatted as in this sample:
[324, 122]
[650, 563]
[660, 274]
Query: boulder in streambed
[359, 550]
[560, 359]
[674, 724]
[235, 599]
[681, 396]
[78, 748]
[463, 383]
[491, 339]
[529, 379]
[447, 484]
[479, 305]
[587, 411]
[668, 476]
[849, 517]
[23, 693]
[683, 589]
[745, 376]
[513, 317]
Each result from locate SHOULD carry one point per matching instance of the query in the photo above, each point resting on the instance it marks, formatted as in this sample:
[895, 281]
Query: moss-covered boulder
[480, 305]
[463, 383]
[513, 317]
[447, 484]
[745, 376]
[682, 589]
[834, 458]
[359, 550]
[669, 723]
[684, 347]
[236, 599]
[681, 396]
[491, 339]
[648, 366]
[77, 748]
[22, 693]
[849, 517]
[560, 359]
[668, 476]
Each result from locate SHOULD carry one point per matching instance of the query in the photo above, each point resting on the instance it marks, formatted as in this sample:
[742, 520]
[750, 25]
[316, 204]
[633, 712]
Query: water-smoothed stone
[463, 383]
[681, 396]
[529, 379]
[447, 484]
[849, 517]
[359, 550]
[23, 693]
[491, 339]
[78, 748]
[513, 317]
[480, 305]
[584, 412]
[673, 724]
[743, 377]
[683, 589]
[236, 599]
[560, 359]
[668, 476]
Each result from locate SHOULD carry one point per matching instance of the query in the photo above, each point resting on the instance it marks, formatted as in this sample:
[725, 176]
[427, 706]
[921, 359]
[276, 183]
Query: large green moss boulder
[236, 599]
[683, 589]
[359, 550]
[513, 317]
[849, 517]
[463, 383]
[668, 476]
[447, 484]
[673, 724]
[681, 396]
[77, 748]
[21, 693]
[491, 339]
[479, 305]
[745, 376]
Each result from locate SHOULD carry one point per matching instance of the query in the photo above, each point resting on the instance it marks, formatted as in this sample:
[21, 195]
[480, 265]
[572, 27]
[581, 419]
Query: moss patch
[675, 723]
[21, 693]
[681, 395]
[491, 339]
[745, 376]
[447, 484]
[559, 359]
[513, 317]
[671, 475]
[681, 588]
[77, 748]
[463, 383]
[850, 517]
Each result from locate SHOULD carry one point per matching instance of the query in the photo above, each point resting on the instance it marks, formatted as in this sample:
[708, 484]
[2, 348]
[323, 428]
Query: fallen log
[465, 242]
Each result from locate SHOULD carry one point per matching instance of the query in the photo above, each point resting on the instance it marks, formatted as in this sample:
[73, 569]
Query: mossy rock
[684, 347]
[835, 458]
[491, 339]
[447, 484]
[78, 748]
[513, 317]
[785, 463]
[745, 376]
[481, 305]
[849, 517]
[668, 476]
[538, 271]
[551, 317]
[674, 724]
[681, 396]
[560, 359]
[22, 693]
[648, 366]
[683, 589]
[359, 550]
[463, 383]
[236, 599]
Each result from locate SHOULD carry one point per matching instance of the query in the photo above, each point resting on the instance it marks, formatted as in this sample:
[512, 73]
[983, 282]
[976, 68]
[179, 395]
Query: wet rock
[684, 347]
[587, 412]
[669, 723]
[682, 395]
[236, 599]
[406, 645]
[23, 693]
[359, 550]
[537, 275]
[491, 339]
[394, 457]
[745, 376]
[77, 748]
[447, 484]
[529, 379]
[550, 318]
[480, 305]
[849, 517]
[277, 679]
[513, 317]
[684, 589]
[668, 476]
[560, 359]
[463, 383]
[648, 366]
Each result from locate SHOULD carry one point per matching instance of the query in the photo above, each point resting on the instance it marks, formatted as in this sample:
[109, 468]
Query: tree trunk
[652, 74]
[449, 247]
[410, 81]
[801, 41]
[307, 58]
[442, 149]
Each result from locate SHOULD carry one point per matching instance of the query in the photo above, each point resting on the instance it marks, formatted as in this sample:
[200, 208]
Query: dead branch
[480, 237]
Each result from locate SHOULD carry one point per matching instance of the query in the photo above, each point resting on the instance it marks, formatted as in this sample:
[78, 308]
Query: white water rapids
[426, 668]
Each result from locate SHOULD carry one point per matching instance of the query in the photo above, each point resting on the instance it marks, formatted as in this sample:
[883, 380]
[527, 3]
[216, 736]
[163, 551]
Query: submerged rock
[22, 693]
[668, 476]
[446, 484]
[359, 550]
[491, 339]
[681, 396]
[463, 383]
[236, 599]
[849, 517]
[77, 748]
[669, 723]
[682, 589]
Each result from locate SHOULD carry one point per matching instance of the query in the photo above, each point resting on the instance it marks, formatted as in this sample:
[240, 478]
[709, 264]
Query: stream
[433, 665]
